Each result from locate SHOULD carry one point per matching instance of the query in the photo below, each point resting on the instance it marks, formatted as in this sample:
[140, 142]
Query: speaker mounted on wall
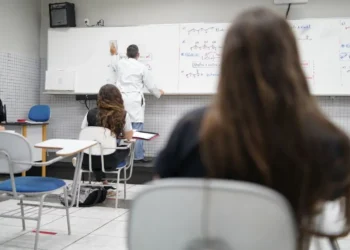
[62, 15]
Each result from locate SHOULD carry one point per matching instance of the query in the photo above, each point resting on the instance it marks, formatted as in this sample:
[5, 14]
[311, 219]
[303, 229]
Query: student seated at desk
[264, 126]
[110, 113]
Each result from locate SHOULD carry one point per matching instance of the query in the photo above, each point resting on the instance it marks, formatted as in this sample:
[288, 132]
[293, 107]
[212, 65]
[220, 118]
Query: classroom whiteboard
[86, 52]
[324, 46]
[185, 58]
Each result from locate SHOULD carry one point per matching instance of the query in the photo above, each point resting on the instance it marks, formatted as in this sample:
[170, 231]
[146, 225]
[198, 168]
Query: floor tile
[85, 247]
[124, 217]
[114, 229]
[30, 224]
[10, 232]
[99, 212]
[100, 241]
[78, 225]
[16, 248]
[49, 242]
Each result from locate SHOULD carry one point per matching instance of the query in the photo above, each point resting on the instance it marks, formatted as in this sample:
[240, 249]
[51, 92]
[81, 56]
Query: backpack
[89, 196]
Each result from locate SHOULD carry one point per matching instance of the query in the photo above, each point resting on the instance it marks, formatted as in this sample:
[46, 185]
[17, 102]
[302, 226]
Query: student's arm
[2, 128]
[147, 80]
[128, 132]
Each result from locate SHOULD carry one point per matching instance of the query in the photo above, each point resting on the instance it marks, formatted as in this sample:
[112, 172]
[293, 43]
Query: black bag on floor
[89, 196]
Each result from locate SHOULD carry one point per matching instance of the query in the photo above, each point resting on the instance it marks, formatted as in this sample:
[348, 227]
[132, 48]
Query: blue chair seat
[122, 164]
[33, 184]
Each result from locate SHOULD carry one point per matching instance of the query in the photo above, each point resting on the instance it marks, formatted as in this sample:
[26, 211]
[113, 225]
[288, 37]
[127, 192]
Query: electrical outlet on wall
[290, 1]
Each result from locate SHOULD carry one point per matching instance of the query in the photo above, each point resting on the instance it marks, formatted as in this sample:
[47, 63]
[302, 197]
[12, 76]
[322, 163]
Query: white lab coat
[131, 78]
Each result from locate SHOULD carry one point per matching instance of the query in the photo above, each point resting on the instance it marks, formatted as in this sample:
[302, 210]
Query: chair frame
[129, 165]
[22, 196]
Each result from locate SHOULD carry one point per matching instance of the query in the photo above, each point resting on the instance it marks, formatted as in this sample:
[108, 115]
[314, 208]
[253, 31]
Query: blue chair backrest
[39, 113]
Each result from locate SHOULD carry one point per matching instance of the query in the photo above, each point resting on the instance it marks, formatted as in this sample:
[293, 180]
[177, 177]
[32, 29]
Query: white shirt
[131, 78]
[127, 126]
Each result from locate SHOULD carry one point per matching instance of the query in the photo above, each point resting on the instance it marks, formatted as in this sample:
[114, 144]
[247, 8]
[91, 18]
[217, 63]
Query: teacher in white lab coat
[132, 77]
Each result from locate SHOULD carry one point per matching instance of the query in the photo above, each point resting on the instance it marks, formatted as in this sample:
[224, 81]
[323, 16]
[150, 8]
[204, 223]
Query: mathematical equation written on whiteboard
[206, 45]
[199, 74]
[302, 32]
[200, 51]
[199, 31]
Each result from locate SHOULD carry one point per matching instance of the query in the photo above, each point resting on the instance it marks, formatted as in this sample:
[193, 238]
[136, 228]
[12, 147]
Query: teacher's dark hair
[265, 127]
[132, 51]
[111, 109]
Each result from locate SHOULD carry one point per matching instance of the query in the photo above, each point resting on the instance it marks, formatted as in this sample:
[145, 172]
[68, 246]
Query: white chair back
[190, 214]
[18, 149]
[102, 135]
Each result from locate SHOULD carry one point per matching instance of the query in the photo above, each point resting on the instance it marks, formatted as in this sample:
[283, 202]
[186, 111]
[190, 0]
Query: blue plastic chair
[16, 157]
[40, 113]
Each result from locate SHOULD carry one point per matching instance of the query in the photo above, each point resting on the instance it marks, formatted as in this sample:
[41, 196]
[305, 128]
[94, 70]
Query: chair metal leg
[67, 209]
[334, 244]
[117, 191]
[78, 189]
[22, 214]
[124, 184]
[39, 221]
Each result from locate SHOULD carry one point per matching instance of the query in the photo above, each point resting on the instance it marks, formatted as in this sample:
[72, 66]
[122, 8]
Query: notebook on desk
[143, 135]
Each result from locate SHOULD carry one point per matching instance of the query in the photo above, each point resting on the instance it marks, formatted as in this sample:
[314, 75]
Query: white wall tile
[19, 84]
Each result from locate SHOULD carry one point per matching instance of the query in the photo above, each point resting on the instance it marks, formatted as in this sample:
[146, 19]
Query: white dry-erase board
[185, 58]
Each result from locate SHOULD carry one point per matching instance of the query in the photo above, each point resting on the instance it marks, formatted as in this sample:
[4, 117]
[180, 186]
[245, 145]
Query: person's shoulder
[192, 118]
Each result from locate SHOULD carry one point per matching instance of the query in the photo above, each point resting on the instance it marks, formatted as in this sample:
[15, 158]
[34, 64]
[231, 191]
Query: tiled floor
[102, 227]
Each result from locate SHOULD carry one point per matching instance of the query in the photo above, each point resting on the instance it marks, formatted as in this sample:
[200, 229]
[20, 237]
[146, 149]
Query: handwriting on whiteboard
[302, 31]
[143, 57]
[309, 69]
[211, 56]
[205, 65]
[198, 74]
[200, 52]
[345, 24]
[198, 31]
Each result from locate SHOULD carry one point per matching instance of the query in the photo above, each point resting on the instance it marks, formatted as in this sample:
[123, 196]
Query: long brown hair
[265, 127]
[111, 113]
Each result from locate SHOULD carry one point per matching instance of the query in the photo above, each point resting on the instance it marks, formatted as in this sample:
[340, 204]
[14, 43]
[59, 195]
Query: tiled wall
[161, 114]
[19, 84]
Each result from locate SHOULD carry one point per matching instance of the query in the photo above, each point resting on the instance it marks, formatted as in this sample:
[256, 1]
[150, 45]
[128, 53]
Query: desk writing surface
[66, 147]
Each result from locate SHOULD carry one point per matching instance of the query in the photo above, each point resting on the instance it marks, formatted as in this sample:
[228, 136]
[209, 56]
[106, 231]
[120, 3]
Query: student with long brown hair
[264, 126]
[109, 113]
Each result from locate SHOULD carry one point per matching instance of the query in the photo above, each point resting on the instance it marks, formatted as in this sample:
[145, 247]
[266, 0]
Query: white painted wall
[20, 27]
[138, 12]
